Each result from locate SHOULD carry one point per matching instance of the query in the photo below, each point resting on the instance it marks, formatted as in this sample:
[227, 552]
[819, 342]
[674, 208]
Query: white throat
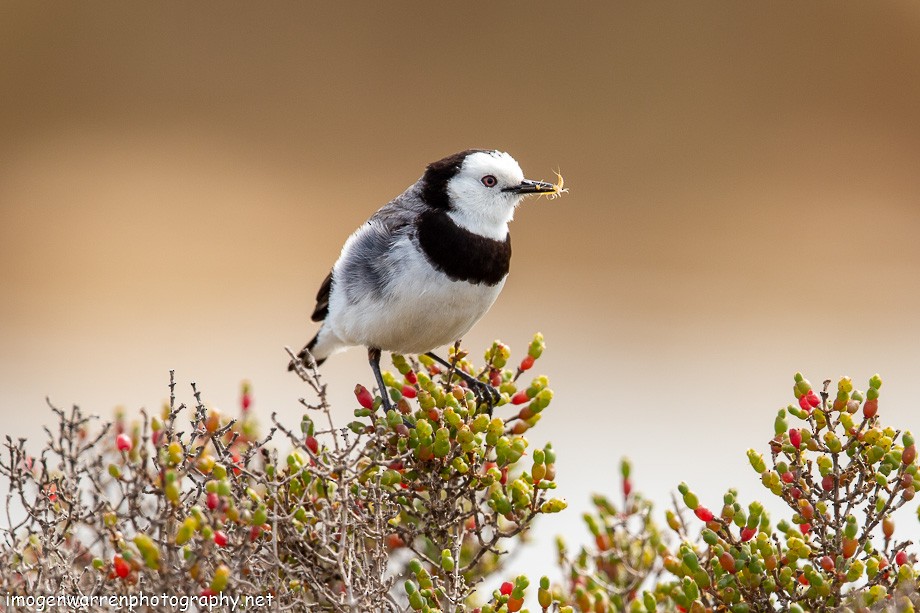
[489, 226]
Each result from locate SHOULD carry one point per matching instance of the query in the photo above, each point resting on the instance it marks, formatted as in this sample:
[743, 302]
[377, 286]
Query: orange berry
[727, 562]
[849, 547]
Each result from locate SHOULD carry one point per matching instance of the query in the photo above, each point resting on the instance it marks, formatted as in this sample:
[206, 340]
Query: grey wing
[367, 266]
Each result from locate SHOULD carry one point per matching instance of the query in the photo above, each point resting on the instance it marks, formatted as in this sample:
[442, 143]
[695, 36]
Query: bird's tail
[306, 354]
[318, 349]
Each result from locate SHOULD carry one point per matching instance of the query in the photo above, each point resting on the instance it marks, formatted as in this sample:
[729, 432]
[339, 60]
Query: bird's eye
[489, 181]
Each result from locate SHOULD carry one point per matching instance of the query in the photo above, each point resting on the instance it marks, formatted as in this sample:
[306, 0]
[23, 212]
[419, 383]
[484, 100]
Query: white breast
[422, 309]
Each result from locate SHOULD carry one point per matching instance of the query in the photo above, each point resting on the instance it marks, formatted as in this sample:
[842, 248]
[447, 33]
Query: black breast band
[460, 254]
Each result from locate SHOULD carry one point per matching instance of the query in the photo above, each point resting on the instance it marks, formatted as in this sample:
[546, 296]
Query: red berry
[803, 579]
[411, 377]
[208, 592]
[246, 401]
[805, 528]
[747, 534]
[909, 455]
[520, 398]
[495, 378]
[212, 500]
[123, 442]
[901, 558]
[795, 437]
[122, 568]
[870, 408]
[795, 492]
[254, 532]
[220, 538]
[364, 397]
[827, 483]
[627, 487]
[527, 363]
[506, 588]
[504, 479]
[703, 513]
[809, 400]
[787, 477]
[409, 392]
[394, 541]
[827, 563]
[312, 444]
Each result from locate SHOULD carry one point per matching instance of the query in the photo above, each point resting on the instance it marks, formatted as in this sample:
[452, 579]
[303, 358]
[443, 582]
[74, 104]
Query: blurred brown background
[175, 182]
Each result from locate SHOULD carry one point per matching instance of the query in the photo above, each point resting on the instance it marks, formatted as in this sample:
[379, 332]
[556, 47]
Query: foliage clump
[410, 509]
[840, 472]
[406, 510]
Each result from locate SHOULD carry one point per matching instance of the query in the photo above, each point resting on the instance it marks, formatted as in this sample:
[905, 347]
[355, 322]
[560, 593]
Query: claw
[485, 393]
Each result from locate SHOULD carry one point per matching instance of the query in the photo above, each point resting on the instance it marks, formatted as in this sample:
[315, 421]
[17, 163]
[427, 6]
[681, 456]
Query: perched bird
[427, 265]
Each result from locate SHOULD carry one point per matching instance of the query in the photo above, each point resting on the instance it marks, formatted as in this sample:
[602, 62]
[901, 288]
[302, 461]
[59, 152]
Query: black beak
[532, 187]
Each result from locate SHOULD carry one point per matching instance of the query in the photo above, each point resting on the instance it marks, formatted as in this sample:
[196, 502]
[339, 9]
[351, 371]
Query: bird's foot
[485, 394]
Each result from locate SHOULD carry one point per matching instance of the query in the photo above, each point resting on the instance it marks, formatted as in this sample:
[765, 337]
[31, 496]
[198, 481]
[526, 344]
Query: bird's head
[480, 190]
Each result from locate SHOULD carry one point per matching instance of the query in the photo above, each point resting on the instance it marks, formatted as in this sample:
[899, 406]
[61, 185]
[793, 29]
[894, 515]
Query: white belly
[423, 310]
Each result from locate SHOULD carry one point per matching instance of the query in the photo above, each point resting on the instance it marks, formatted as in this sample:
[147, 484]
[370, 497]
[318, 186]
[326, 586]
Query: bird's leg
[373, 356]
[484, 392]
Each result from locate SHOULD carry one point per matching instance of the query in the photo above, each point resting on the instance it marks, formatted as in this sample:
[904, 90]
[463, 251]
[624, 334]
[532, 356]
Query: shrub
[410, 509]
[840, 472]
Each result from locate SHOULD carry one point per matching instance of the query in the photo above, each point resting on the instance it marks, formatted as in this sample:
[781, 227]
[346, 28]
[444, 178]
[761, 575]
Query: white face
[479, 204]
